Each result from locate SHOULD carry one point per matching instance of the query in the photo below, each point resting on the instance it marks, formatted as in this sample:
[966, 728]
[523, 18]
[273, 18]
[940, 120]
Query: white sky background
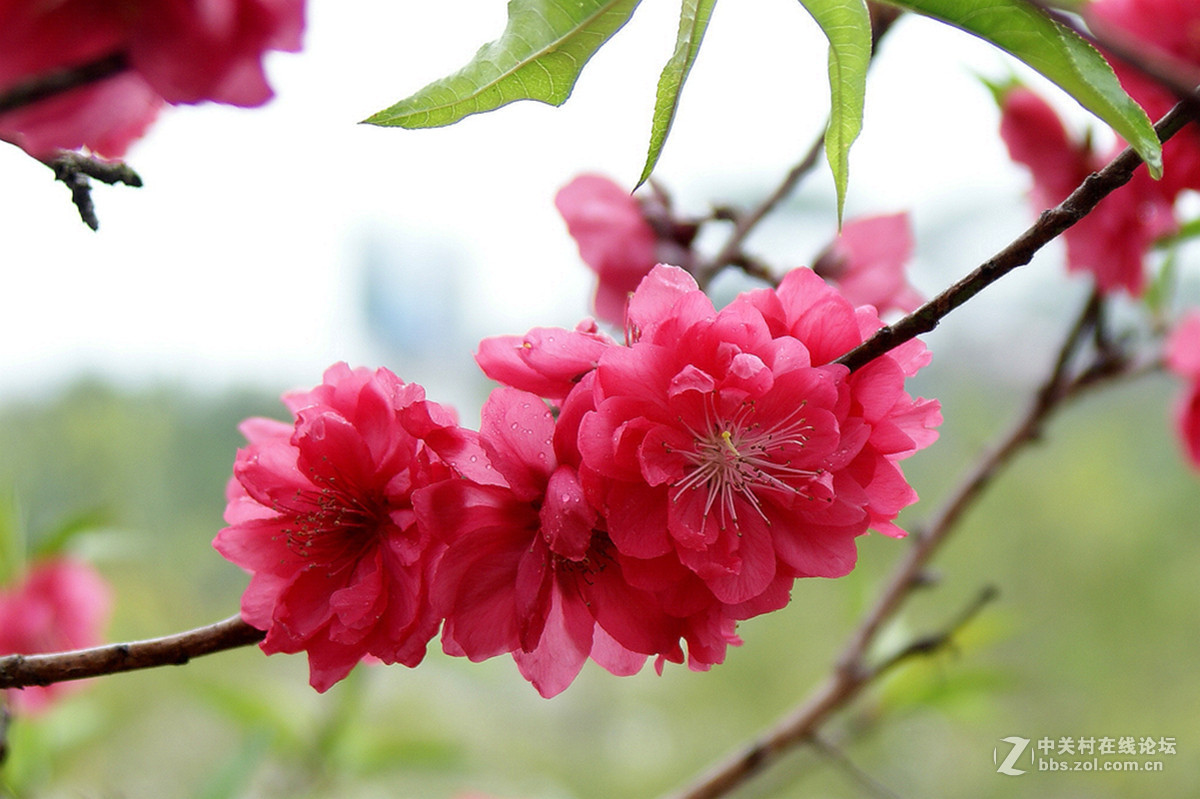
[241, 260]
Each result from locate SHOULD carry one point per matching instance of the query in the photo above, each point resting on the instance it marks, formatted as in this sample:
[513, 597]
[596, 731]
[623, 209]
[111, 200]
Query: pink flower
[320, 512]
[1183, 358]
[191, 52]
[614, 239]
[1111, 242]
[178, 52]
[1170, 27]
[867, 262]
[60, 605]
[548, 362]
[528, 569]
[727, 440]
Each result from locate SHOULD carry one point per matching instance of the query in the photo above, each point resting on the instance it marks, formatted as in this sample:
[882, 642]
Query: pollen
[736, 459]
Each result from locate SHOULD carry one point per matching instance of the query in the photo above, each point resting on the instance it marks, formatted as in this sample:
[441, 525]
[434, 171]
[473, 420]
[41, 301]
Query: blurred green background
[1090, 539]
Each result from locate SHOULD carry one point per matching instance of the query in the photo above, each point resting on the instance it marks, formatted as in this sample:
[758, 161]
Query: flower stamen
[735, 459]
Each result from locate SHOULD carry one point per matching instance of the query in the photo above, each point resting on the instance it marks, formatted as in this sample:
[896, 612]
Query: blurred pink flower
[190, 52]
[320, 512]
[1111, 242]
[867, 263]
[1183, 358]
[60, 605]
[177, 53]
[1170, 27]
[613, 236]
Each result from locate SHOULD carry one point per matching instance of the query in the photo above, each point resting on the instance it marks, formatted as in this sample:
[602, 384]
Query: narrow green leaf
[693, 22]
[847, 25]
[538, 57]
[1056, 52]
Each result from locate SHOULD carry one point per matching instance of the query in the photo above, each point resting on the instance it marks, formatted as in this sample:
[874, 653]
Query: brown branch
[74, 169]
[852, 673]
[861, 778]
[935, 642]
[1049, 225]
[730, 254]
[17, 671]
[60, 81]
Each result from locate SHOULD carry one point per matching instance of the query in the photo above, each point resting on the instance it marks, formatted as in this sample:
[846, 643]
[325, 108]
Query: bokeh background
[268, 244]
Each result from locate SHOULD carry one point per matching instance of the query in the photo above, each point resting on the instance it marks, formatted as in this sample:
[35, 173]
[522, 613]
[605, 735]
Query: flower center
[327, 522]
[736, 458]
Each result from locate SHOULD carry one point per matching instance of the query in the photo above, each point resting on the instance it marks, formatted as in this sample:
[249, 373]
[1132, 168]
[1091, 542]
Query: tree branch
[74, 169]
[861, 778]
[17, 671]
[1049, 225]
[730, 254]
[60, 81]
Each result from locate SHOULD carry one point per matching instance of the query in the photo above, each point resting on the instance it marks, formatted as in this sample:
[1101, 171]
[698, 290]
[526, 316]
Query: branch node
[74, 169]
[926, 578]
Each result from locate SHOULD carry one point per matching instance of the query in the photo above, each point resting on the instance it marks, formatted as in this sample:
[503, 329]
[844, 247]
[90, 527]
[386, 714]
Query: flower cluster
[171, 52]
[619, 502]
[60, 605]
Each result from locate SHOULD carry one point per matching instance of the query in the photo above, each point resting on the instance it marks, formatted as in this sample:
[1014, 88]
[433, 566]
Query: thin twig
[17, 671]
[861, 778]
[60, 81]
[852, 673]
[935, 642]
[1048, 226]
[730, 254]
[74, 169]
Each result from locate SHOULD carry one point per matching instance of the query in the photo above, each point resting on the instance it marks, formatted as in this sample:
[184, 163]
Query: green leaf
[847, 25]
[693, 22]
[538, 57]
[1056, 52]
